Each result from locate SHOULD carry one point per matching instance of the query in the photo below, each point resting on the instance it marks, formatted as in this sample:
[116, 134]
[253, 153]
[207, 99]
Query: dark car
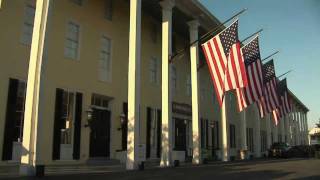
[279, 150]
[301, 151]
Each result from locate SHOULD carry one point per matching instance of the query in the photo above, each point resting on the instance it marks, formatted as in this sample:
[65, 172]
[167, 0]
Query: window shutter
[159, 132]
[149, 115]
[57, 125]
[77, 127]
[125, 127]
[10, 119]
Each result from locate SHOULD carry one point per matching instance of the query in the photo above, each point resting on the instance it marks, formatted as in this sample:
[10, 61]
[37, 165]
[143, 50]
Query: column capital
[193, 24]
[167, 4]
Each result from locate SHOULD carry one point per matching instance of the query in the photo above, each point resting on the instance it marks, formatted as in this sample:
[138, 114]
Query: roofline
[206, 11]
[298, 101]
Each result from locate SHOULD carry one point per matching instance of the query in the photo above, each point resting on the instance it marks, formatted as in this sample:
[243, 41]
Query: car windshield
[280, 145]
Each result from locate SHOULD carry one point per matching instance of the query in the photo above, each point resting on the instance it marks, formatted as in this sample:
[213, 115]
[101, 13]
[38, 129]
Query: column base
[30, 170]
[243, 154]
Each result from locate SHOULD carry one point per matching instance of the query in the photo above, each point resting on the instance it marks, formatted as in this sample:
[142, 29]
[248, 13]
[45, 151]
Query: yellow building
[76, 63]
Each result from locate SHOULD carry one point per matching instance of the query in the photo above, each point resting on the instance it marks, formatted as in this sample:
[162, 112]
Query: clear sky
[293, 26]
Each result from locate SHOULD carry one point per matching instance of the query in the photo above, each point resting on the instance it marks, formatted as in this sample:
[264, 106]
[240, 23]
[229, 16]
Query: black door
[100, 133]
[180, 135]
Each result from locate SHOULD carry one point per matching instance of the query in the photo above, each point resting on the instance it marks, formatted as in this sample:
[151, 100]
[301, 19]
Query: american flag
[270, 100]
[221, 51]
[285, 100]
[254, 91]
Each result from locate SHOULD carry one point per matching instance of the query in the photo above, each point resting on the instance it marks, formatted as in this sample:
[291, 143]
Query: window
[202, 93]
[232, 132]
[204, 133]
[215, 135]
[19, 112]
[263, 141]
[250, 144]
[154, 33]
[279, 138]
[108, 9]
[68, 101]
[174, 44]
[100, 101]
[78, 2]
[28, 24]
[153, 67]
[72, 41]
[174, 79]
[105, 65]
[188, 84]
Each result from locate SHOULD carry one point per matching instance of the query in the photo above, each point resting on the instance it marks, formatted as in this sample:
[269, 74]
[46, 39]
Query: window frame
[73, 117]
[77, 2]
[25, 40]
[109, 9]
[109, 72]
[232, 135]
[71, 21]
[154, 70]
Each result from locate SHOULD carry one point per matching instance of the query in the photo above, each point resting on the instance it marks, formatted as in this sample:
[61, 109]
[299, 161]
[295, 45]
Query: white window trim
[76, 3]
[26, 5]
[188, 85]
[174, 87]
[109, 79]
[79, 41]
[157, 70]
[112, 10]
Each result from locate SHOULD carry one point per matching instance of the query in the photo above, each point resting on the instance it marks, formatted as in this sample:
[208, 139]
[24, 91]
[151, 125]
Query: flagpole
[252, 35]
[214, 30]
[270, 56]
[284, 74]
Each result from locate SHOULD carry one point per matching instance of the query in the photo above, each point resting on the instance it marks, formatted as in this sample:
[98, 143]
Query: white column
[302, 128]
[257, 146]
[224, 135]
[282, 132]
[166, 153]
[194, 60]
[307, 128]
[30, 155]
[243, 133]
[298, 127]
[287, 128]
[1, 2]
[268, 127]
[275, 131]
[134, 84]
[291, 124]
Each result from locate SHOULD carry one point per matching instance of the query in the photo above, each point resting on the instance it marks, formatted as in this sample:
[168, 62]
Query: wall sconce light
[212, 124]
[123, 120]
[89, 117]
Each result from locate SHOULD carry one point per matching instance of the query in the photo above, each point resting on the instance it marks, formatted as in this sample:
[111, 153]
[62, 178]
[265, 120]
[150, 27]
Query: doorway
[100, 134]
[180, 135]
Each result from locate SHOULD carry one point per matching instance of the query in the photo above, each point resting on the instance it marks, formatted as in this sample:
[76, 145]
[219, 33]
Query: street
[256, 169]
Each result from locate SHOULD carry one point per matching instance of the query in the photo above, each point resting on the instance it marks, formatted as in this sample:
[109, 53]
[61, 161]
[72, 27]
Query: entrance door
[100, 133]
[180, 135]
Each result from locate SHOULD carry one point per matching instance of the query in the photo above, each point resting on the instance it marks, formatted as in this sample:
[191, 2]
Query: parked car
[279, 150]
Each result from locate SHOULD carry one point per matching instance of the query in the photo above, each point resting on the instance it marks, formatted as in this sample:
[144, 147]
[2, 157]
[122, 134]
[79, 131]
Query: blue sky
[293, 26]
